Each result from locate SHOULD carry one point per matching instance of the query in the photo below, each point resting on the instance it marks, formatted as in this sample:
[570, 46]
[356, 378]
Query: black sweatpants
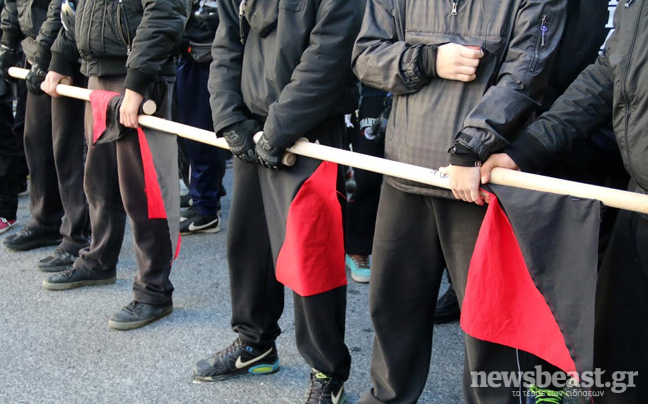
[115, 186]
[254, 237]
[416, 236]
[621, 335]
[54, 149]
[363, 204]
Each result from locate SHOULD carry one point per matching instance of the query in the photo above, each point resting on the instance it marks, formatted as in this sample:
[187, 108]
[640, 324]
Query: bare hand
[52, 80]
[458, 62]
[496, 160]
[464, 183]
[130, 109]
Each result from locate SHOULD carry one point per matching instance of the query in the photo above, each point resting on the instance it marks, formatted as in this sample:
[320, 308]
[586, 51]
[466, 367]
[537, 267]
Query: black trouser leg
[46, 207]
[363, 204]
[621, 335]
[8, 164]
[68, 145]
[19, 130]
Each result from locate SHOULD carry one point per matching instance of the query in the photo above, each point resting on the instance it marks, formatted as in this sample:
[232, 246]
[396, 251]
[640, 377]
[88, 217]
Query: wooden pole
[609, 197]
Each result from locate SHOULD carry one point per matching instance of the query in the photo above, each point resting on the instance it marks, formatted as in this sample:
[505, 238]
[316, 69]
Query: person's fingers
[476, 197]
[486, 169]
[462, 61]
[471, 53]
[466, 70]
[465, 77]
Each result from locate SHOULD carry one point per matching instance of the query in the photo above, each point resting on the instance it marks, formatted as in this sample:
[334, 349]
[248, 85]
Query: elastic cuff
[410, 67]
[427, 60]
[460, 156]
[138, 81]
[528, 153]
[61, 65]
[224, 123]
[11, 39]
[43, 57]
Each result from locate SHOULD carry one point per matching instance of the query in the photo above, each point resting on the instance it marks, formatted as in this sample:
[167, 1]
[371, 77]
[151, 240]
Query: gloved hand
[269, 154]
[8, 58]
[34, 79]
[379, 127]
[240, 138]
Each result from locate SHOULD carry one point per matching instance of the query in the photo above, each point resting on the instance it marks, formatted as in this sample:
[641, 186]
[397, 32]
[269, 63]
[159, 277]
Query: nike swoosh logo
[196, 228]
[336, 398]
[240, 364]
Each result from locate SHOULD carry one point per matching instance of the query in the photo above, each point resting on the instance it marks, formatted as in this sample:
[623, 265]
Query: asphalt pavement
[56, 347]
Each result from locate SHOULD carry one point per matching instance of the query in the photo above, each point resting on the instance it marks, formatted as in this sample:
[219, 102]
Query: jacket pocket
[540, 42]
[123, 27]
[294, 5]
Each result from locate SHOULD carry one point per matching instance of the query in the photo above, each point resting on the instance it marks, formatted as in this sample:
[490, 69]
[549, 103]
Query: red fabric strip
[154, 199]
[501, 303]
[311, 259]
[99, 100]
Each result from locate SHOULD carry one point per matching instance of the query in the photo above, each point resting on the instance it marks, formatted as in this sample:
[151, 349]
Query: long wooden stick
[609, 197]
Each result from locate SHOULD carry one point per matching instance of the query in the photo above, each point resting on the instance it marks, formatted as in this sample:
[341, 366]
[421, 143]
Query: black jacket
[34, 22]
[293, 69]
[135, 38]
[615, 88]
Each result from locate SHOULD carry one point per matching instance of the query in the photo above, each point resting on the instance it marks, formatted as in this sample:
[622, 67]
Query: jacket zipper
[540, 43]
[126, 40]
[455, 3]
[625, 82]
[92, 10]
[628, 3]
[242, 20]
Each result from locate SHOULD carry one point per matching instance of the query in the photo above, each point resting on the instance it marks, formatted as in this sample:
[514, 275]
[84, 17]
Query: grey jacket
[36, 23]
[293, 69]
[615, 88]
[429, 115]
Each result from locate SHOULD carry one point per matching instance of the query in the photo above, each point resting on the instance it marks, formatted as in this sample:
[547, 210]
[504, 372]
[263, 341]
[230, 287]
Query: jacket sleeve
[65, 56]
[155, 38]
[225, 70]
[381, 58]
[47, 34]
[323, 74]
[584, 109]
[520, 81]
[11, 33]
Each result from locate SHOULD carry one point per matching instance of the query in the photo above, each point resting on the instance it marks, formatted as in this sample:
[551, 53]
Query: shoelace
[316, 388]
[547, 396]
[362, 261]
[235, 346]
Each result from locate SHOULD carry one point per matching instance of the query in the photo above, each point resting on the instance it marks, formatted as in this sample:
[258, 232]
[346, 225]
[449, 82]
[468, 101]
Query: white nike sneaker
[237, 359]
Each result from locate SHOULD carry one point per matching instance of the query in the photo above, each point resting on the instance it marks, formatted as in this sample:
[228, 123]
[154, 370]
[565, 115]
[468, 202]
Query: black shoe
[193, 222]
[57, 261]
[237, 359]
[72, 279]
[325, 390]
[186, 202]
[447, 309]
[137, 315]
[28, 239]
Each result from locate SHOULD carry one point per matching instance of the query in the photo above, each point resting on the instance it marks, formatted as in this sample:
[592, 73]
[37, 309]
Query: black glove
[379, 127]
[8, 58]
[269, 155]
[34, 79]
[240, 138]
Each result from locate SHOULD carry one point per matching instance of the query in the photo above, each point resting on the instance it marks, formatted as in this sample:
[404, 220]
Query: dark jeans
[363, 204]
[416, 236]
[207, 162]
[8, 163]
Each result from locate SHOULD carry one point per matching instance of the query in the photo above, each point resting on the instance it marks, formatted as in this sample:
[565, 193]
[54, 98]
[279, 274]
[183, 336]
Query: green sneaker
[359, 266]
[545, 396]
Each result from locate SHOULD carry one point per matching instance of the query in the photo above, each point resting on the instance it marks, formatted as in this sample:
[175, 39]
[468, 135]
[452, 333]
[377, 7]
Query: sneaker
[193, 222]
[23, 188]
[57, 261]
[186, 202]
[544, 396]
[447, 309]
[237, 359]
[5, 224]
[360, 267]
[72, 279]
[28, 239]
[138, 314]
[325, 390]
